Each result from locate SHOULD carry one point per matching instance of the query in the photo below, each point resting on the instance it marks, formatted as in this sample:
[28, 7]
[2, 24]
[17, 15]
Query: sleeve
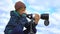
[27, 25]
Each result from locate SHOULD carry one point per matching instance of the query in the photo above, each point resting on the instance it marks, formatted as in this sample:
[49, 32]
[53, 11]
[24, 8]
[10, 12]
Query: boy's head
[20, 7]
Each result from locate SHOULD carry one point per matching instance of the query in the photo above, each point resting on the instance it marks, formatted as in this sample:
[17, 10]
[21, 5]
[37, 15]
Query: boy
[18, 21]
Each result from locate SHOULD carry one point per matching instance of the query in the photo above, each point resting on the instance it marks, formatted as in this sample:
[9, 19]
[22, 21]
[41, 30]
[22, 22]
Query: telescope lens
[46, 22]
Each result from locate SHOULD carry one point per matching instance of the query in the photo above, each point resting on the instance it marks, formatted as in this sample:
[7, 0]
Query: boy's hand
[36, 17]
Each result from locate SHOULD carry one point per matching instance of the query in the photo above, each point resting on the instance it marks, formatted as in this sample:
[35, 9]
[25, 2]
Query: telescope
[45, 17]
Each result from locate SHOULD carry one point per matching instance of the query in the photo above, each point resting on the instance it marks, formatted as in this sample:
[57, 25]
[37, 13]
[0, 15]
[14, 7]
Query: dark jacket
[18, 21]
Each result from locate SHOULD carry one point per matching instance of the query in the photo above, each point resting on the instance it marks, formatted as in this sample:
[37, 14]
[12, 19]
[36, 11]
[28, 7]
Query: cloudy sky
[34, 6]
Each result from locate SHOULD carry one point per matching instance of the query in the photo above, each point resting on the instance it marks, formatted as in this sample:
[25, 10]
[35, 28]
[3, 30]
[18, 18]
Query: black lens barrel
[46, 18]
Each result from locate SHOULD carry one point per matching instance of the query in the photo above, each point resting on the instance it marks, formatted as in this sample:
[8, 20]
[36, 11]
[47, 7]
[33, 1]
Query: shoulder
[12, 13]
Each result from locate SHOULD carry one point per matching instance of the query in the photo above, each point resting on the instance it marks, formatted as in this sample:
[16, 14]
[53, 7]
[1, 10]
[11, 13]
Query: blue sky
[34, 6]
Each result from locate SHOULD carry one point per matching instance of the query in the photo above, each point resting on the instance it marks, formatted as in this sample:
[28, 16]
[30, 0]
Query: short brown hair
[19, 5]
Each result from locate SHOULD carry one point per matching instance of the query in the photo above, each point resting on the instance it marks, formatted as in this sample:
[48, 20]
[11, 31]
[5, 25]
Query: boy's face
[21, 10]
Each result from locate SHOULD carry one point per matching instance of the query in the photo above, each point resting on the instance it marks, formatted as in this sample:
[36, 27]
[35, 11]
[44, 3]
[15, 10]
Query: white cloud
[7, 6]
[37, 7]
[56, 16]
[55, 30]
[1, 32]
[2, 28]
[44, 5]
[55, 19]
[47, 30]
[1, 3]
[18, 0]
